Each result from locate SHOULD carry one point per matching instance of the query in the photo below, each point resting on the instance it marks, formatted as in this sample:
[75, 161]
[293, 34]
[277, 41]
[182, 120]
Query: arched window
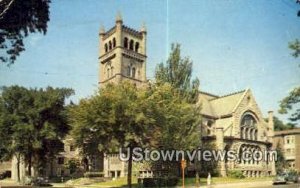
[133, 72]
[114, 42]
[209, 127]
[105, 46]
[110, 46]
[248, 127]
[112, 71]
[255, 134]
[128, 71]
[131, 45]
[246, 133]
[250, 134]
[107, 72]
[125, 42]
[137, 45]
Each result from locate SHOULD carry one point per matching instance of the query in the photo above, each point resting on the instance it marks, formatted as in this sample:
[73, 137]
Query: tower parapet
[122, 54]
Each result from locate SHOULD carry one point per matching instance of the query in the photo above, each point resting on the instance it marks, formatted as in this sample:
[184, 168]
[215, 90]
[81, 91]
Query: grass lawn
[122, 182]
[217, 180]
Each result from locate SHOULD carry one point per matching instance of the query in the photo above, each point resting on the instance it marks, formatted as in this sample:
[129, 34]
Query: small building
[289, 142]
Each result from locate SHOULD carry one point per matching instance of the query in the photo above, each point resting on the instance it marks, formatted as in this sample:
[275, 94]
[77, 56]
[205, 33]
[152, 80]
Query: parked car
[280, 179]
[5, 174]
[292, 177]
[38, 181]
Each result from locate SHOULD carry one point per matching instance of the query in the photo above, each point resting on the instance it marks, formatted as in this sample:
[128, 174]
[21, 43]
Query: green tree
[72, 165]
[290, 104]
[34, 121]
[295, 47]
[114, 117]
[280, 126]
[17, 20]
[125, 116]
[178, 72]
[280, 163]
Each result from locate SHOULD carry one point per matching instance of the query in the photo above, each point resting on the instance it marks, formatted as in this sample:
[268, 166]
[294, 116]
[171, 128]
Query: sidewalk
[237, 185]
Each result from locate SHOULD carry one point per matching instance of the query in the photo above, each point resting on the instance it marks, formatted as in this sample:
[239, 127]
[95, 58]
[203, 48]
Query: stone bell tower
[122, 54]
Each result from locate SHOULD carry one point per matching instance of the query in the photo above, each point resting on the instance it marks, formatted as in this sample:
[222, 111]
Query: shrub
[93, 174]
[236, 174]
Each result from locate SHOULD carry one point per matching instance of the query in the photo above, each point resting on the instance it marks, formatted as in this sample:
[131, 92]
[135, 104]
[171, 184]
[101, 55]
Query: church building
[230, 122]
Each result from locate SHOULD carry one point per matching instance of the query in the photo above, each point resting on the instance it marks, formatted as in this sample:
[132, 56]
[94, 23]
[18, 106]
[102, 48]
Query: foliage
[125, 116]
[236, 174]
[298, 14]
[117, 116]
[291, 101]
[280, 126]
[33, 121]
[295, 47]
[210, 166]
[160, 182]
[72, 165]
[179, 128]
[280, 163]
[178, 72]
[93, 174]
[17, 20]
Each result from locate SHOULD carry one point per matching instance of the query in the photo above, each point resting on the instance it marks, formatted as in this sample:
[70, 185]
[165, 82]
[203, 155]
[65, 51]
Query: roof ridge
[230, 94]
[210, 94]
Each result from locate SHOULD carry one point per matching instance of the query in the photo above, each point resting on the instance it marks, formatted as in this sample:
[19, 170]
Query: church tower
[122, 54]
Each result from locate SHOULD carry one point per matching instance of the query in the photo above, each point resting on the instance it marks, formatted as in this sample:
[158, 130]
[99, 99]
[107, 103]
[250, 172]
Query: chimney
[270, 124]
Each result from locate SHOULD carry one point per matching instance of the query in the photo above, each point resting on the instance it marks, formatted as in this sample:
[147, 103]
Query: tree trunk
[51, 167]
[129, 174]
[29, 164]
[18, 167]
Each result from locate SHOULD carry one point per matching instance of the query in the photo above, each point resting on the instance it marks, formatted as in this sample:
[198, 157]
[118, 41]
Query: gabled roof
[215, 106]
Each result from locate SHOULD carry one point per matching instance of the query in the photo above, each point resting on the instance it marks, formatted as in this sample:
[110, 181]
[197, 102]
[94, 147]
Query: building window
[131, 45]
[287, 140]
[125, 42]
[109, 45]
[114, 42]
[72, 148]
[137, 45]
[60, 160]
[108, 73]
[248, 127]
[255, 134]
[128, 71]
[133, 72]
[61, 147]
[106, 48]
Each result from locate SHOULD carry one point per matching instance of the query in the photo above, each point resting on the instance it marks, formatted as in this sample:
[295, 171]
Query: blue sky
[233, 44]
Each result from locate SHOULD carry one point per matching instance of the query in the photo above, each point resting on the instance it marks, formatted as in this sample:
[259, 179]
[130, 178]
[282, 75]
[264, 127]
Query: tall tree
[292, 101]
[125, 116]
[114, 117]
[18, 19]
[34, 121]
[178, 72]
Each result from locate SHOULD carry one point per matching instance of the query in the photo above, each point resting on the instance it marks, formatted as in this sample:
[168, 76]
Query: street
[282, 186]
